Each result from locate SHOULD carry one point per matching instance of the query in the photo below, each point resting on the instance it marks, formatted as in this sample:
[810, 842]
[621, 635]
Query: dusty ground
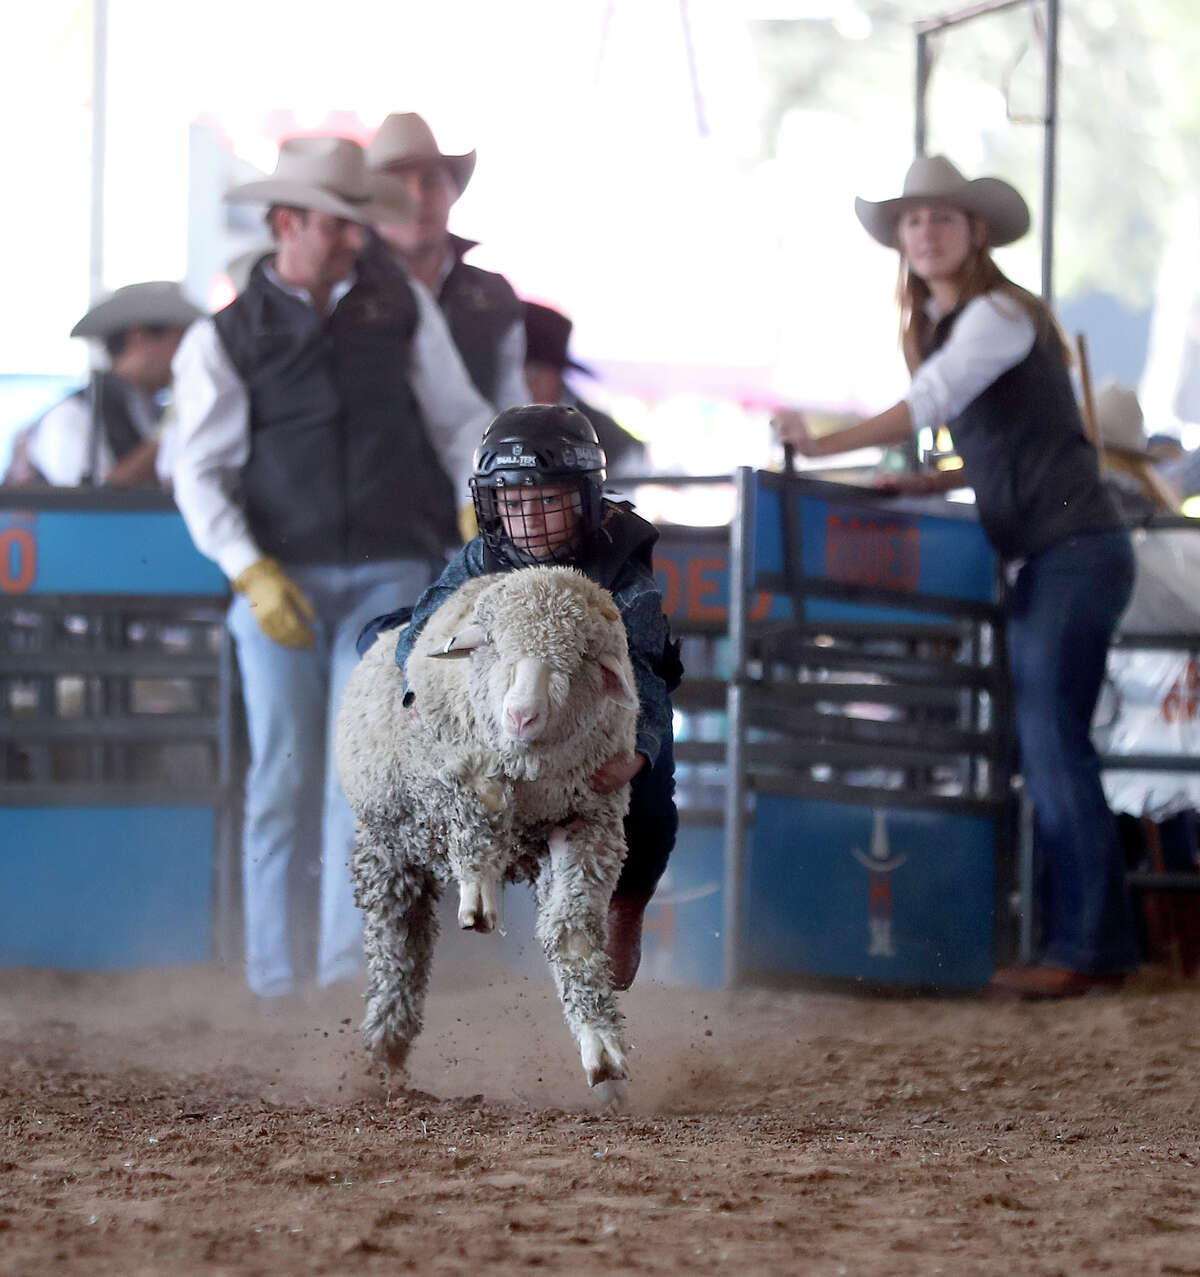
[158, 1123]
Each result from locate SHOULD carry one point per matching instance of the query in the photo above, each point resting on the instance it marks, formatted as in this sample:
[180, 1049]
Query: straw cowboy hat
[1119, 420]
[405, 138]
[934, 178]
[158, 303]
[327, 175]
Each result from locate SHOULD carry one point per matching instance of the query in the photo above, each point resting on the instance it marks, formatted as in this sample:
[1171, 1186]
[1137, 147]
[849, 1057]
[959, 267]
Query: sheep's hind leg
[399, 930]
[572, 896]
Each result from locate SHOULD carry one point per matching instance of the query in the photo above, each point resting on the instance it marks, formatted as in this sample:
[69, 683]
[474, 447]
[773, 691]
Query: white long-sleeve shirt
[212, 440]
[511, 390]
[992, 335]
[60, 444]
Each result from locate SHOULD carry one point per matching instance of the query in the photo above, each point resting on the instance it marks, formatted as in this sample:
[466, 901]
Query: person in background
[1129, 469]
[547, 360]
[325, 418]
[549, 510]
[1164, 449]
[107, 432]
[988, 360]
[480, 306]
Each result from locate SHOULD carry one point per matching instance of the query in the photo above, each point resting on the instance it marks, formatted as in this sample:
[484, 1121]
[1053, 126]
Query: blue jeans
[650, 826]
[1063, 610]
[296, 814]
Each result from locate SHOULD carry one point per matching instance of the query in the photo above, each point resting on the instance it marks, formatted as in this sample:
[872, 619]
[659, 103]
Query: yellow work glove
[467, 527]
[278, 603]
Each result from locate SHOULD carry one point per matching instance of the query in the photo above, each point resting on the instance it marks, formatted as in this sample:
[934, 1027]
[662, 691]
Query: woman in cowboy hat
[988, 360]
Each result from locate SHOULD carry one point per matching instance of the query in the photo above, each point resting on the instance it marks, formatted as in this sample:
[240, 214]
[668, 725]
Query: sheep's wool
[442, 791]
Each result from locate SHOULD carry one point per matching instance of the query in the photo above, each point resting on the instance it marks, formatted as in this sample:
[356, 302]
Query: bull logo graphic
[880, 865]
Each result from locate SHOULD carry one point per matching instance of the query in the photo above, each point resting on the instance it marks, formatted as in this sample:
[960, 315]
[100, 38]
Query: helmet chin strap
[555, 556]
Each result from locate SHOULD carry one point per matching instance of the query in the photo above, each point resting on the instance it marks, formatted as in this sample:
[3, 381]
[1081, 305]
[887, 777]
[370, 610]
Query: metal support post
[740, 544]
[1050, 151]
[924, 67]
[99, 140]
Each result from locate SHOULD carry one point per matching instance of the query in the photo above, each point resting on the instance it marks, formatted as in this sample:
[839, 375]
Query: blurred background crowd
[677, 178]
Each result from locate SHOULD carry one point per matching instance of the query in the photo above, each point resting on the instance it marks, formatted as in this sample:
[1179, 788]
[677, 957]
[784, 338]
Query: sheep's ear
[615, 683]
[462, 644]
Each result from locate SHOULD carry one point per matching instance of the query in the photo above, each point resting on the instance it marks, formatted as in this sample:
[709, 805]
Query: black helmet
[537, 446]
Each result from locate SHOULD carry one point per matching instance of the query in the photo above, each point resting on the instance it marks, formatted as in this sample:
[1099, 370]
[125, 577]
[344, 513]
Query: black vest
[341, 469]
[113, 414]
[480, 308]
[1035, 474]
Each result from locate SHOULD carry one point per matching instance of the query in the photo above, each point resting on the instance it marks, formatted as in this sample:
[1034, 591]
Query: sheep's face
[546, 660]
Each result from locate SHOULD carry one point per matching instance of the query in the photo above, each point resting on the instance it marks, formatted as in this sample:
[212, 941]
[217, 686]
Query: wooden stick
[1089, 404]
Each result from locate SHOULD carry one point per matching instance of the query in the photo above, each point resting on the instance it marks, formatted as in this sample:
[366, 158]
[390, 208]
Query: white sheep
[484, 779]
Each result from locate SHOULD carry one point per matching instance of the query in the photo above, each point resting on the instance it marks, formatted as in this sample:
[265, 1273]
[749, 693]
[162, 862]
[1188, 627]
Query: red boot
[624, 944]
[1036, 983]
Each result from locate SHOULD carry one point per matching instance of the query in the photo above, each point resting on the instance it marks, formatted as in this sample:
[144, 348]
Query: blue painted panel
[878, 546]
[105, 888]
[879, 543]
[102, 552]
[898, 896]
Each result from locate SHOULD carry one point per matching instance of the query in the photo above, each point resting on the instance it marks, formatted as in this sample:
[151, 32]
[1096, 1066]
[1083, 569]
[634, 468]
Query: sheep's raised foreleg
[478, 859]
[573, 891]
[399, 929]
[479, 896]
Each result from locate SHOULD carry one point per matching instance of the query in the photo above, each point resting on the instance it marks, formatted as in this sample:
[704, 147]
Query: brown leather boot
[1035, 983]
[624, 944]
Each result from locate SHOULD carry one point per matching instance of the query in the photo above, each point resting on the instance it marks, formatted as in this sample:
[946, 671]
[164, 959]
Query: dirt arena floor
[159, 1123]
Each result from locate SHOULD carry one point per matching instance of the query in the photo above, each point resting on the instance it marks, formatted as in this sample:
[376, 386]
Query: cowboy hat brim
[389, 200]
[562, 365]
[460, 167]
[316, 199]
[161, 305]
[997, 203]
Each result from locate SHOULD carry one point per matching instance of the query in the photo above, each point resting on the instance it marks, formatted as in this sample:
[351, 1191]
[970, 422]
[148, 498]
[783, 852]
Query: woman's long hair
[979, 275]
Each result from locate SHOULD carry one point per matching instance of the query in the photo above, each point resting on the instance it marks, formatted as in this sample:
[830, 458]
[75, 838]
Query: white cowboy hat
[404, 138]
[932, 178]
[158, 303]
[327, 175]
[1119, 420]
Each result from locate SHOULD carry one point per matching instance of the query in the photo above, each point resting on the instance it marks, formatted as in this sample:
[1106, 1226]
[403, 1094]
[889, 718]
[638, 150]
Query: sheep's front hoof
[603, 1058]
[386, 1049]
[611, 1097]
[479, 905]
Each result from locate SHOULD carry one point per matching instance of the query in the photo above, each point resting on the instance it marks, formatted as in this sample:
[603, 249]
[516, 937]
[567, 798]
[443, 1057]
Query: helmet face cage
[531, 519]
[537, 484]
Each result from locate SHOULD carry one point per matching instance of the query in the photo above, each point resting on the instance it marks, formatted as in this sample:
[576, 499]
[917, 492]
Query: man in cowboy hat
[1129, 469]
[547, 359]
[480, 306]
[326, 422]
[107, 432]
